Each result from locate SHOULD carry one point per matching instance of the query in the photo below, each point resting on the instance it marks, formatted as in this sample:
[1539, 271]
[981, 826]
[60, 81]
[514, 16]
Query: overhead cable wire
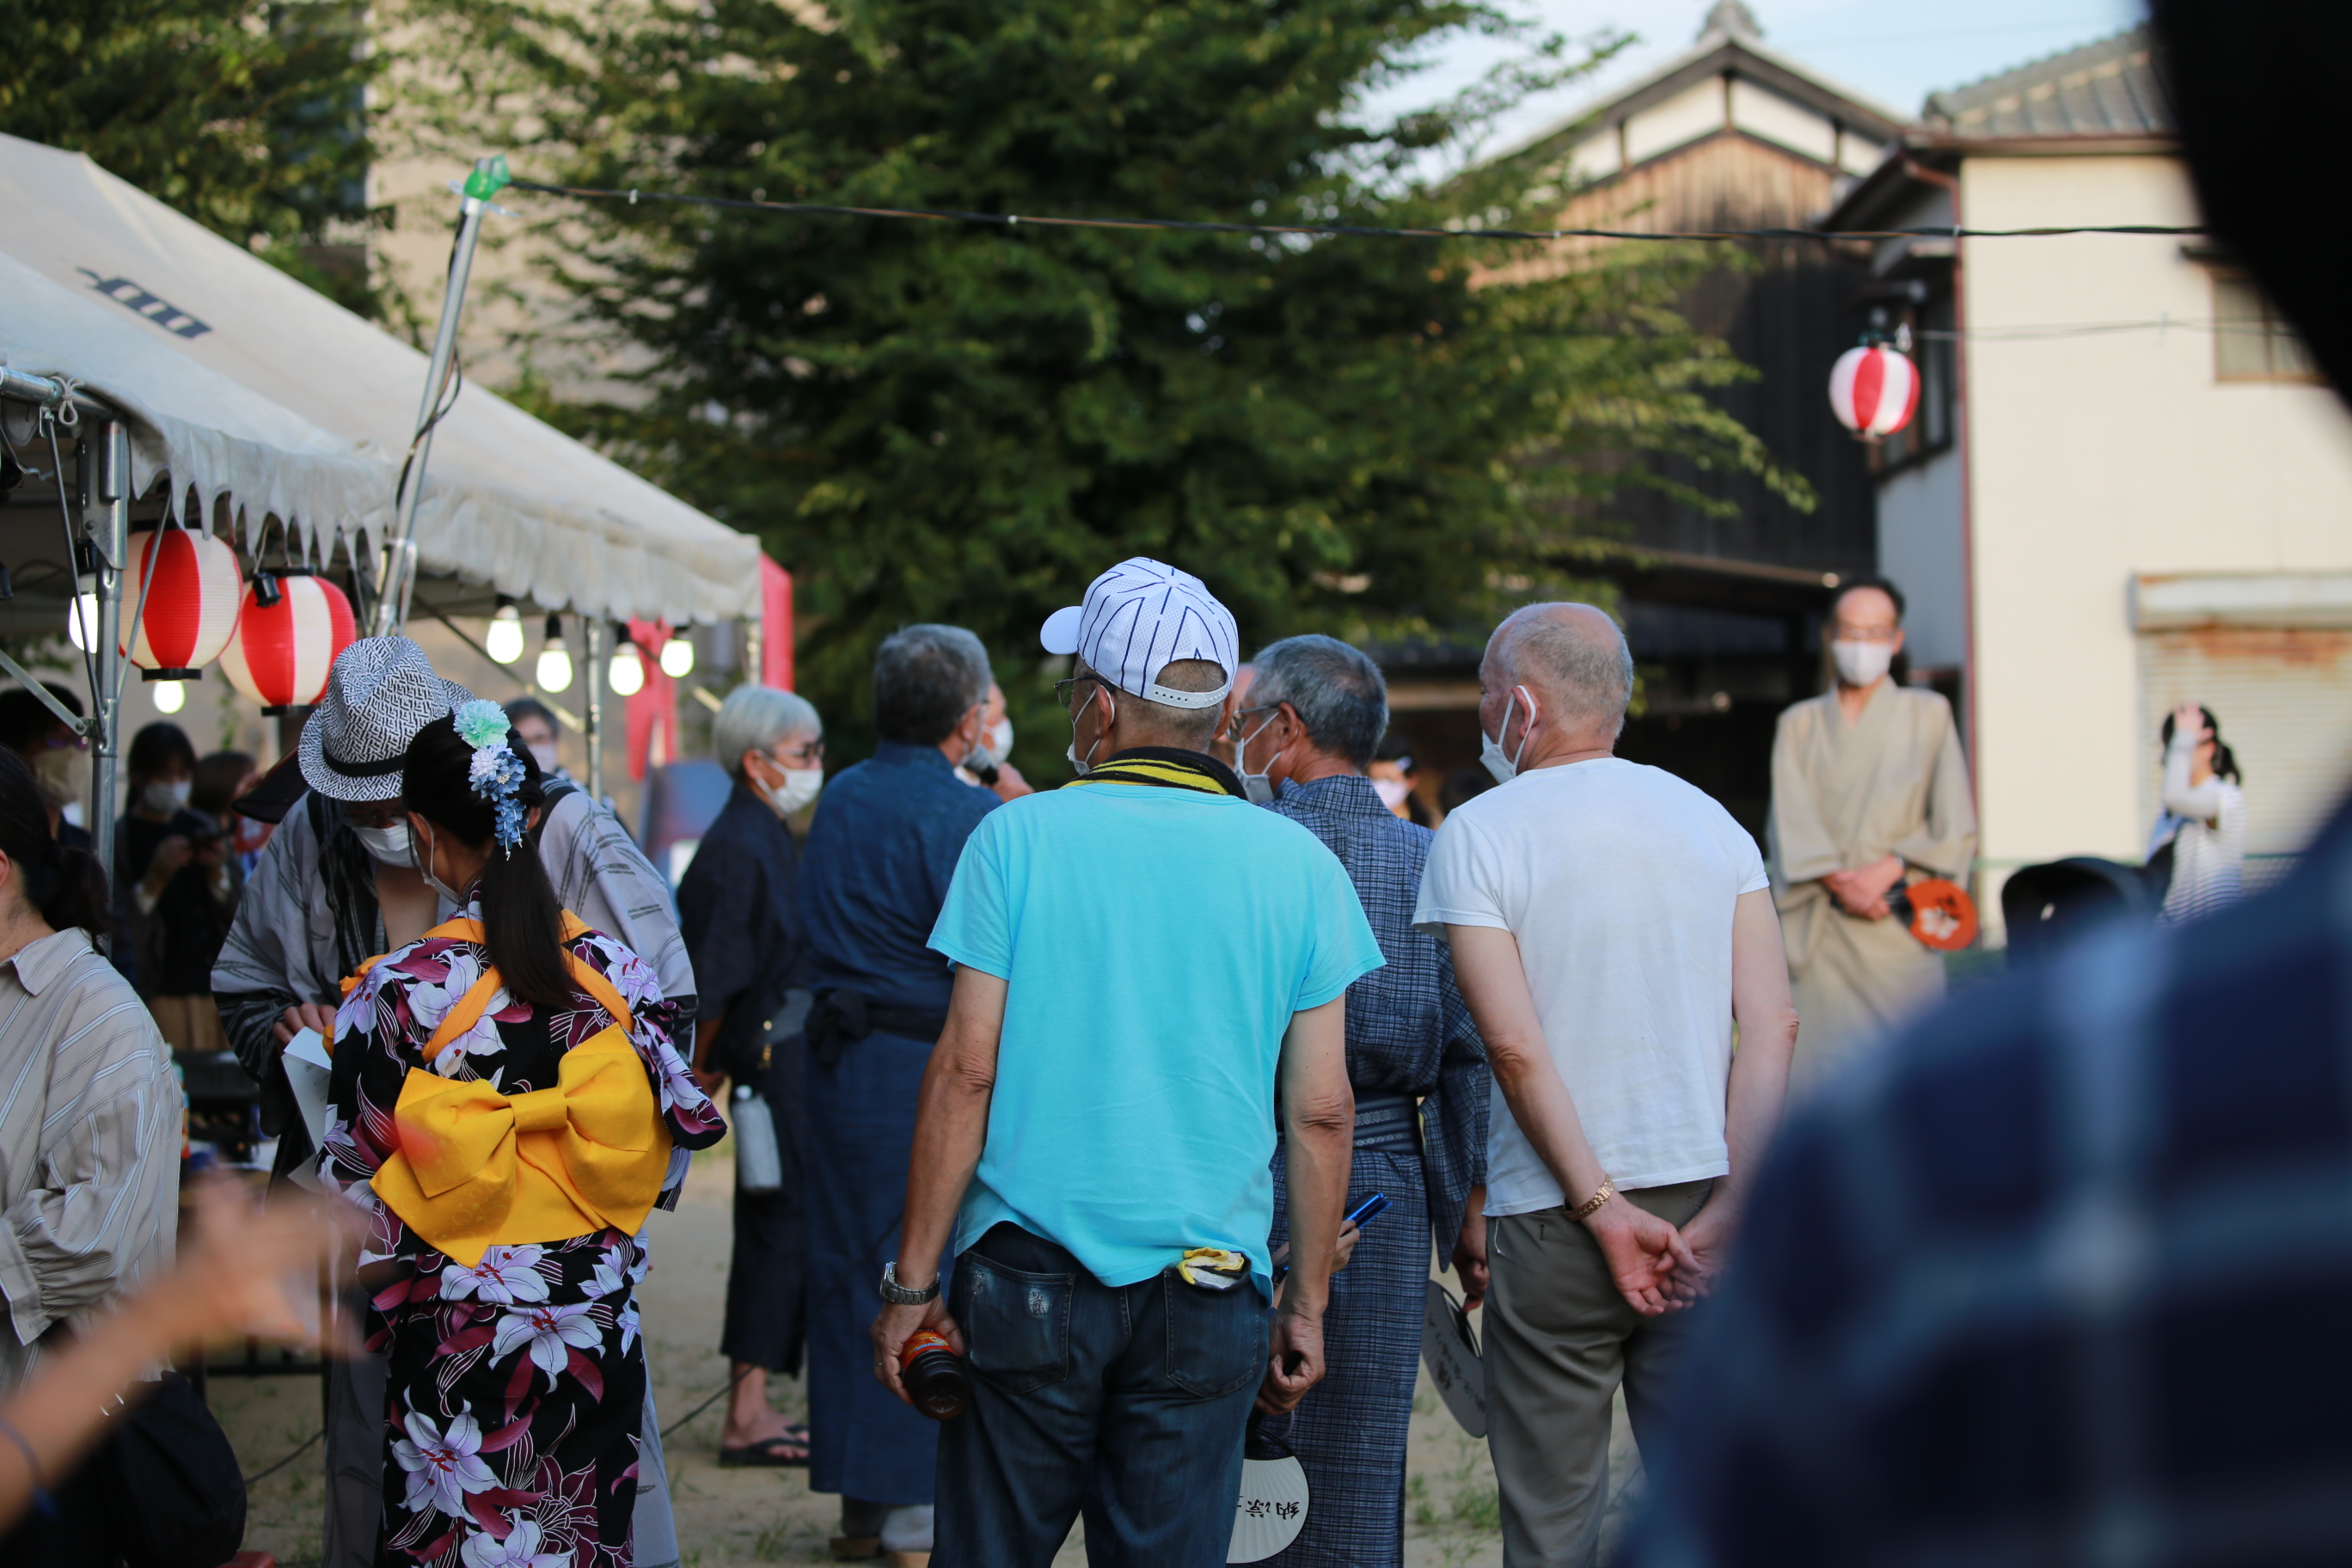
[1351, 231]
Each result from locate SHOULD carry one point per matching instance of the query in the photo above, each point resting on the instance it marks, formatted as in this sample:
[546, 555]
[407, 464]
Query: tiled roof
[2106, 89]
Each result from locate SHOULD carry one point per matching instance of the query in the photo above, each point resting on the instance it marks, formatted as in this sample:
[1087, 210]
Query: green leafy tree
[935, 420]
[250, 117]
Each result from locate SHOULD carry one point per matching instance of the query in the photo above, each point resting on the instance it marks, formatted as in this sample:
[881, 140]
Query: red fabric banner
[652, 707]
[775, 625]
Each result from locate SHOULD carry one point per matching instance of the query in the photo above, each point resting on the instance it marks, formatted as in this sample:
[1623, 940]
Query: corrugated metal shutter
[2284, 700]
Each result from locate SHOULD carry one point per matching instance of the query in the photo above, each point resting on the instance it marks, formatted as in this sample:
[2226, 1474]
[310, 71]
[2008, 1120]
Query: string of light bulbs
[1351, 231]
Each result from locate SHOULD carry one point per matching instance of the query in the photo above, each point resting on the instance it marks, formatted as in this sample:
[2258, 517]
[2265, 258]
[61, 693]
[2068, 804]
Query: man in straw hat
[336, 886]
[1141, 957]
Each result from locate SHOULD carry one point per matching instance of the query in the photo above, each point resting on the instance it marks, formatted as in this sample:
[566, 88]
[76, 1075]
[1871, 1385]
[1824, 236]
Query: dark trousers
[767, 1294]
[74, 1536]
[1127, 1402]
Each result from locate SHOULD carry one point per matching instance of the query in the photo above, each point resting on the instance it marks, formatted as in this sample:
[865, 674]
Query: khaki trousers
[1558, 1340]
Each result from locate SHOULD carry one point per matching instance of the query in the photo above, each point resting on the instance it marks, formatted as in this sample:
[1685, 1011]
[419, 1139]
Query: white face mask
[1862, 663]
[799, 788]
[162, 799]
[1391, 792]
[545, 757]
[424, 869]
[62, 776]
[1079, 765]
[1258, 787]
[388, 845]
[1490, 751]
[999, 738]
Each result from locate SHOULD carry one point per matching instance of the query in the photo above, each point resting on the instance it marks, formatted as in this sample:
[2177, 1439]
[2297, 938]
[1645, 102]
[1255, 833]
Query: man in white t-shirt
[1610, 925]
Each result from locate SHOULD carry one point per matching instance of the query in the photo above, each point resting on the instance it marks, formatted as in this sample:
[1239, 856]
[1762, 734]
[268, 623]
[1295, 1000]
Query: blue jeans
[1127, 1402]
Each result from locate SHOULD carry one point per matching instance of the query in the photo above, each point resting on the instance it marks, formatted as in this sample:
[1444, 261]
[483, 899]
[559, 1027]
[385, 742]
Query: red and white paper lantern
[281, 652]
[1875, 391]
[191, 611]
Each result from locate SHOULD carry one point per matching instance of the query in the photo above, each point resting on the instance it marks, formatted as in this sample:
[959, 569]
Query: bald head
[1573, 658]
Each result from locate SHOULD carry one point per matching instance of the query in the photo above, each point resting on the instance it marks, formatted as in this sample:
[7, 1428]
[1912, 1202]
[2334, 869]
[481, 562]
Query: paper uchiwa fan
[1450, 1351]
[1272, 1509]
[1940, 913]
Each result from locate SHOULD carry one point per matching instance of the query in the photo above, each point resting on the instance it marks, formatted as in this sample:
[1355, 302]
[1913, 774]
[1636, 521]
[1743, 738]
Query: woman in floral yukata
[506, 1088]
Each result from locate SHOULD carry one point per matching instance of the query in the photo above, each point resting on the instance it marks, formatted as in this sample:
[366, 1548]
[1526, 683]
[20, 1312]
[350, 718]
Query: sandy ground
[736, 1519]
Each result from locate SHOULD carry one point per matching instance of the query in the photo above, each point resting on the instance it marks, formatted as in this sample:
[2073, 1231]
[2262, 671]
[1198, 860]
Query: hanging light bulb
[171, 696]
[627, 675]
[677, 657]
[81, 622]
[504, 641]
[554, 662]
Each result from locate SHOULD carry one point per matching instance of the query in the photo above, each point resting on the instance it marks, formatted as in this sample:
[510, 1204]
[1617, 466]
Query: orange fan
[1940, 913]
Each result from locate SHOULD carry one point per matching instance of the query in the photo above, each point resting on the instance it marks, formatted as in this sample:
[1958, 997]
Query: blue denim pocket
[1216, 1339]
[1017, 1326]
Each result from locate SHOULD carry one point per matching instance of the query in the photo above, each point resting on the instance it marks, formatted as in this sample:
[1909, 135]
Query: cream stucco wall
[2097, 456]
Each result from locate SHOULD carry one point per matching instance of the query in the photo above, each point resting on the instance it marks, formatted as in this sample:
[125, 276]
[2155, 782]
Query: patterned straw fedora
[380, 692]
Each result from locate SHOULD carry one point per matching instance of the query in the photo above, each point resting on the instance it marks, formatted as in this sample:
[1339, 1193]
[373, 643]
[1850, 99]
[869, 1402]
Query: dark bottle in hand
[934, 1376]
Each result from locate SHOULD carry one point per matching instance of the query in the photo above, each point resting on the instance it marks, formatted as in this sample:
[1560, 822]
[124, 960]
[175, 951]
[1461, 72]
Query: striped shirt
[89, 1142]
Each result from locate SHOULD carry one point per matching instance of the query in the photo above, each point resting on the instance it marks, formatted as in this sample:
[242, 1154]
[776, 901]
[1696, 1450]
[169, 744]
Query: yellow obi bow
[476, 1167]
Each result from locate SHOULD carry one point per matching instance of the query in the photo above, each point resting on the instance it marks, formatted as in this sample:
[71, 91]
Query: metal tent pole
[109, 535]
[489, 177]
[592, 637]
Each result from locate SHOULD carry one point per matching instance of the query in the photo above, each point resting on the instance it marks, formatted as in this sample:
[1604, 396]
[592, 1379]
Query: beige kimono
[1844, 796]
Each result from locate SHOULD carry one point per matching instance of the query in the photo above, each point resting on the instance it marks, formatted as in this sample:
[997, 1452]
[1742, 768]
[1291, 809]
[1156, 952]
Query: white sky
[1896, 51]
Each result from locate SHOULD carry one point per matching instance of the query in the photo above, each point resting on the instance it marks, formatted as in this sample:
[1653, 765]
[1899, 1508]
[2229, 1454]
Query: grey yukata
[1844, 797]
[1410, 1037]
[309, 918]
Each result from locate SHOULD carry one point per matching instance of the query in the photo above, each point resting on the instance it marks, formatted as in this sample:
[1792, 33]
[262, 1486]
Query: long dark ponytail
[522, 924]
[2225, 761]
[65, 886]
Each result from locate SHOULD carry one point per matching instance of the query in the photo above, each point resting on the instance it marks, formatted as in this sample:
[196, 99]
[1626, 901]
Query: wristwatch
[898, 1295]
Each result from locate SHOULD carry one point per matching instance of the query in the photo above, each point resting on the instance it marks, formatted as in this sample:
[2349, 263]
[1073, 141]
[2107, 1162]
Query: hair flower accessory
[481, 722]
[496, 773]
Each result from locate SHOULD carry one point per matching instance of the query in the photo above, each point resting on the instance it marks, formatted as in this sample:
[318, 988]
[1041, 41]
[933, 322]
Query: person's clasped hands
[1862, 891]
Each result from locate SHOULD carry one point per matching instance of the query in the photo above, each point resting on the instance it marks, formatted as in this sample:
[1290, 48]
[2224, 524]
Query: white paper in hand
[308, 1068]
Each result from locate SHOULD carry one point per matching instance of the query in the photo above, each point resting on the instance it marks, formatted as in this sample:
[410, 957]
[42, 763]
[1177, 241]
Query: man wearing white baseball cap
[1140, 957]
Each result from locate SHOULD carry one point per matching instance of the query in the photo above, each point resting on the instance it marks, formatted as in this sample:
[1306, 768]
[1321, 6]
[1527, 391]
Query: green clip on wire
[489, 179]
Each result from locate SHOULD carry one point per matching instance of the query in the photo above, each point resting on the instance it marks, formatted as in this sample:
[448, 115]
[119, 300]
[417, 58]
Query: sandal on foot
[769, 1452]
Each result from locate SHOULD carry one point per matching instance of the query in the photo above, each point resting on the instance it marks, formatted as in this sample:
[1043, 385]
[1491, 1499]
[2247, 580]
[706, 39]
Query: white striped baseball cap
[1142, 617]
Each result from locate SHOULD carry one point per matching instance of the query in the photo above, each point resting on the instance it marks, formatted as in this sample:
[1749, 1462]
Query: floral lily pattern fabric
[516, 1384]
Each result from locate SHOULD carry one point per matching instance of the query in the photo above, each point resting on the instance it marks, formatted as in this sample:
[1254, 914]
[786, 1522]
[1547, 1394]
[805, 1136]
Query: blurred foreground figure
[2061, 1276]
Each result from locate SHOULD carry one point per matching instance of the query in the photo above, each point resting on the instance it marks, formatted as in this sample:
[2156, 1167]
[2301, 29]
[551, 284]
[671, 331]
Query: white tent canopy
[216, 437]
[508, 502]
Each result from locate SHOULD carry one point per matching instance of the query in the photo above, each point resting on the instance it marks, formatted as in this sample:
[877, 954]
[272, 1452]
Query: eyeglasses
[1234, 727]
[1065, 693]
[807, 755]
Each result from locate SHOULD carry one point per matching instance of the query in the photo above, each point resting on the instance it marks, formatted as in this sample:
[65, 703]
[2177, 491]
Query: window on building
[1938, 358]
[2250, 341]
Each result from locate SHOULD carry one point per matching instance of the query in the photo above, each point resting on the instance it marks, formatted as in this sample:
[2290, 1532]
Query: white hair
[1587, 671]
[753, 718]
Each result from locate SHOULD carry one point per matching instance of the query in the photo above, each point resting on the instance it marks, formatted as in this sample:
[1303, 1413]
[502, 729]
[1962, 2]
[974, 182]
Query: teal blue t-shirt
[1155, 942]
